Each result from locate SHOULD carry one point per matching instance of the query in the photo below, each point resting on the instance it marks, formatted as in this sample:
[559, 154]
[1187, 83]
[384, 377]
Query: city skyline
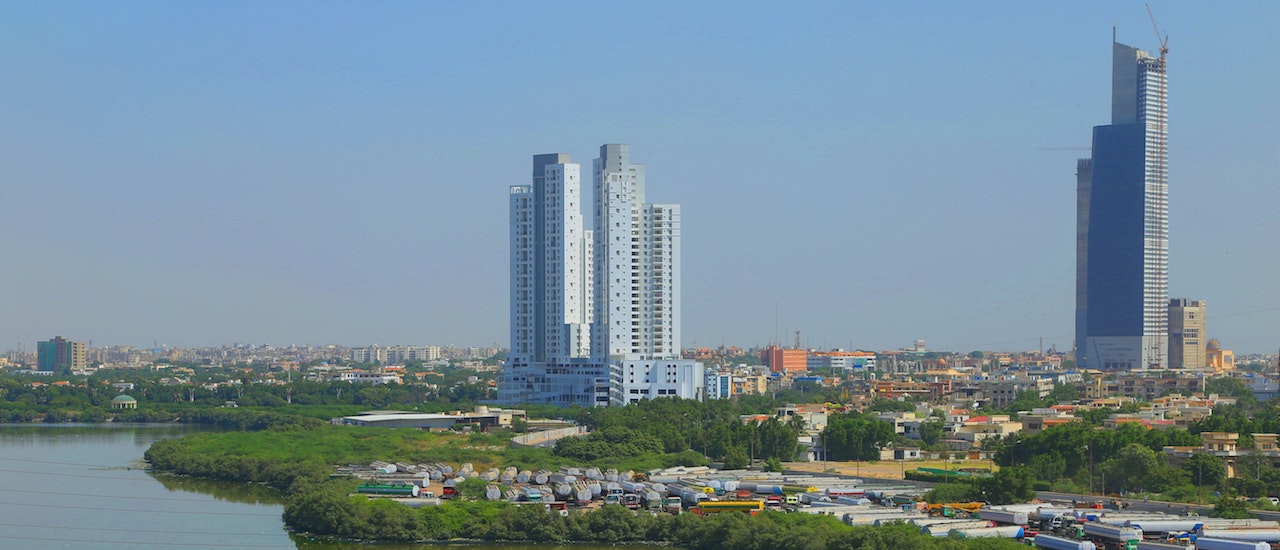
[866, 174]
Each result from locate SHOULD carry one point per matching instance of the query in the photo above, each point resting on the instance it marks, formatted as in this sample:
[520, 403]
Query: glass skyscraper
[1122, 245]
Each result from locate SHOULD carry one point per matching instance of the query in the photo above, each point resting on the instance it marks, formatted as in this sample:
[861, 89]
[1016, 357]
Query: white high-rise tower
[595, 315]
[551, 291]
[637, 277]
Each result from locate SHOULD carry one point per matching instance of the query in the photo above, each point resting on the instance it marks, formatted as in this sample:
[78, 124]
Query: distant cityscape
[595, 314]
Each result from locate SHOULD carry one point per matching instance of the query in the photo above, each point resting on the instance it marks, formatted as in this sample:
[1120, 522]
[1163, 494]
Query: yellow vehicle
[950, 508]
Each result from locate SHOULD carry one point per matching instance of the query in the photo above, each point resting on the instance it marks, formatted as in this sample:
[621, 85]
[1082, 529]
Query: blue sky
[200, 173]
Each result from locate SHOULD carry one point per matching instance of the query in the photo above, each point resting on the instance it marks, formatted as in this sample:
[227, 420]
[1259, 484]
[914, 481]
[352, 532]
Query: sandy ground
[885, 469]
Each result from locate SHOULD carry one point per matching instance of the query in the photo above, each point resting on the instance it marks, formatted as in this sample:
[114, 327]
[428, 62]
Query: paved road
[1152, 506]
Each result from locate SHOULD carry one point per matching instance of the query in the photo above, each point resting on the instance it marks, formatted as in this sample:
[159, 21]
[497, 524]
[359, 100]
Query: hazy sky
[202, 173]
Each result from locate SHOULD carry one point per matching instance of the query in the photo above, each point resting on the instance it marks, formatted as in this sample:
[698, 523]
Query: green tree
[953, 492]
[1206, 470]
[472, 488]
[1129, 469]
[931, 432]
[856, 436]
[1232, 508]
[1048, 466]
[1010, 485]
[736, 459]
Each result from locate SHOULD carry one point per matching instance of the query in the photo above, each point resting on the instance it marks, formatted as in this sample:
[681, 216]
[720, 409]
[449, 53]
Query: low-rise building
[980, 428]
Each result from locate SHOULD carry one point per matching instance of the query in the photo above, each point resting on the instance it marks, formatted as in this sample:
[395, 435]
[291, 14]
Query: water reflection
[243, 493]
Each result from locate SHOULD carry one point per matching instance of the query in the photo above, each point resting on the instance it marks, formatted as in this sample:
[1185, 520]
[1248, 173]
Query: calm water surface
[83, 486]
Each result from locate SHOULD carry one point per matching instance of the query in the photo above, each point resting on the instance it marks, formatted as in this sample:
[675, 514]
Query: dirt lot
[885, 469]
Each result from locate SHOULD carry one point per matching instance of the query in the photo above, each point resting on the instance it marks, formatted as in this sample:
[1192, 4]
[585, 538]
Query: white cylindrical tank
[1203, 543]
[1006, 532]
[944, 529]
[1262, 535]
[1058, 543]
[1165, 525]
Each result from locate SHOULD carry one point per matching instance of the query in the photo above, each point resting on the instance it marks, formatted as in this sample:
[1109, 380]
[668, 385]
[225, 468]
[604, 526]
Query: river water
[85, 486]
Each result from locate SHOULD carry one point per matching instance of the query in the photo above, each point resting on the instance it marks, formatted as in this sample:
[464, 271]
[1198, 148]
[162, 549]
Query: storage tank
[384, 467]
[466, 469]
[1012, 517]
[388, 490]
[508, 474]
[1004, 532]
[1049, 512]
[1223, 523]
[593, 473]
[762, 489]
[1165, 525]
[1262, 535]
[595, 487]
[564, 489]
[944, 529]
[541, 477]
[1058, 543]
[493, 492]
[548, 494]
[1203, 543]
[562, 478]
[491, 475]
[1148, 545]
[652, 499]
[1112, 532]
[632, 486]
[523, 476]
[581, 492]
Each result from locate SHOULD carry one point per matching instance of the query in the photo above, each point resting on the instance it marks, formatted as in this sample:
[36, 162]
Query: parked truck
[1113, 537]
[1051, 542]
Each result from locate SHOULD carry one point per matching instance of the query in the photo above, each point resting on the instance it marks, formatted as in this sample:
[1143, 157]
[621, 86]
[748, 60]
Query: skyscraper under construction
[1122, 245]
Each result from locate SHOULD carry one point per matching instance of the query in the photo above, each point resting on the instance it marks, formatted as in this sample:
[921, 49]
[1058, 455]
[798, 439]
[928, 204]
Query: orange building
[785, 360]
[1218, 359]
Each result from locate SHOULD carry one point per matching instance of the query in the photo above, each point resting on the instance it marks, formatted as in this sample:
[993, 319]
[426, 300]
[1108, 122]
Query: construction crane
[1162, 38]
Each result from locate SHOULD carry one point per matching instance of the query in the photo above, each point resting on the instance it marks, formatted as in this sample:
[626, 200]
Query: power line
[96, 542]
[158, 531]
[169, 499]
[60, 474]
[29, 505]
[68, 463]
